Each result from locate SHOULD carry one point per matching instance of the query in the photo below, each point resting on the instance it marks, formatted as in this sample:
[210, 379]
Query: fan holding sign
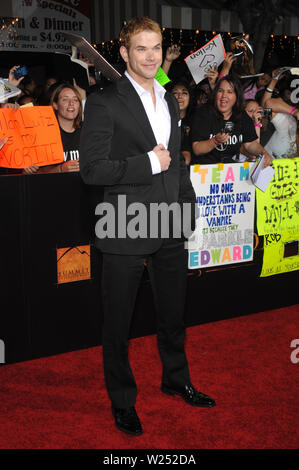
[208, 57]
[220, 127]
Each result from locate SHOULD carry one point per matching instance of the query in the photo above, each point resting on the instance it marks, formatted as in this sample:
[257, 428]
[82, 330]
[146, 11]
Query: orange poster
[31, 137]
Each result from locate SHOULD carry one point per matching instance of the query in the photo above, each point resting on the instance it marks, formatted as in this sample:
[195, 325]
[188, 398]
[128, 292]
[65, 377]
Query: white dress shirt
[158, 117]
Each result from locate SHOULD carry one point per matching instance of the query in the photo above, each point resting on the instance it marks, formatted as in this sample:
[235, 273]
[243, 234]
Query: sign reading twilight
[225, 226]
[40, 23]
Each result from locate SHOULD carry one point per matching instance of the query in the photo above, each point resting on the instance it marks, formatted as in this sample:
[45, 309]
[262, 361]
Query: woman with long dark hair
[256, 84]
[220, 127]
[181, 89]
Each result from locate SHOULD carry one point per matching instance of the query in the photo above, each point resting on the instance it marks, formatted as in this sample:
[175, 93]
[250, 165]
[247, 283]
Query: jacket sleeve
[186, 193]
[96, 165]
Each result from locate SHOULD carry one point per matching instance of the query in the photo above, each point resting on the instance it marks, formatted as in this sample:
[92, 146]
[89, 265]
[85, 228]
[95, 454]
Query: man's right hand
[163, 156]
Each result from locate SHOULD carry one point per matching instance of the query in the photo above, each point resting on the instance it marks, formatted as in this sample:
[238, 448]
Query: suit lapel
[174, 116]
[133, 103]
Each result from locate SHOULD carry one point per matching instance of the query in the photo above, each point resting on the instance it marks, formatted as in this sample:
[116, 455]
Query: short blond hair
[135, 26]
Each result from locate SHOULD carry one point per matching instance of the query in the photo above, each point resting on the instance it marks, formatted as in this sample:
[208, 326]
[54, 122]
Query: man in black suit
[130, 145]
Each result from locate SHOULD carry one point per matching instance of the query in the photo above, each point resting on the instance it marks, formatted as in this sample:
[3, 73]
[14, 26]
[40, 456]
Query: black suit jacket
[115, 140]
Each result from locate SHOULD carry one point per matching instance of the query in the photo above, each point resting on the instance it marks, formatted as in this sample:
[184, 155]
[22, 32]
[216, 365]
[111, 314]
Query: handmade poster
[7, 90]
[89, 52]
[281, 254]
[209, 56]
[278, 206]
[225, 226]
[30, 136]
[161, 77]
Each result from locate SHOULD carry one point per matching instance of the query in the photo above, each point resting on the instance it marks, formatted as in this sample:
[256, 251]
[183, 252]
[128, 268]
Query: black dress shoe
[190, 395]
[126, 420]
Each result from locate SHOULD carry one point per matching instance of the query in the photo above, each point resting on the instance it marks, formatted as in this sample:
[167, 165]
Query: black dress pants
[120, 282]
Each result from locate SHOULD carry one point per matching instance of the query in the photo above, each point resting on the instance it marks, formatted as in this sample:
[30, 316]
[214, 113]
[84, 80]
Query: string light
[192, 40]
[7, 29]
[181, 37]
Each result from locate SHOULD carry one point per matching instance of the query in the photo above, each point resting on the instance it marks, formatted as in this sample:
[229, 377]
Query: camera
[239, 52]
[266, 113]
[20, 72]
[228, 127]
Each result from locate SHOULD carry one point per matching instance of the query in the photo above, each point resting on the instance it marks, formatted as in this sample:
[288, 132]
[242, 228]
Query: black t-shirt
[70, 143]
[186, 134]
[206, 124]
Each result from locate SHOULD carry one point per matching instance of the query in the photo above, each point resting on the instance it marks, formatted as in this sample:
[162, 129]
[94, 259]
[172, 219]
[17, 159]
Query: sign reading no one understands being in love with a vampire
[225, 226]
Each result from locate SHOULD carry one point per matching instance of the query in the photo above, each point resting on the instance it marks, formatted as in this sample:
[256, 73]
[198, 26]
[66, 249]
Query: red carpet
[60, 402]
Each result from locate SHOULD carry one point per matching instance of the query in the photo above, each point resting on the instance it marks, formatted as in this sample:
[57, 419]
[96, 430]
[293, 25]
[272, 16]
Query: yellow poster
[278, 206]
[280, 253]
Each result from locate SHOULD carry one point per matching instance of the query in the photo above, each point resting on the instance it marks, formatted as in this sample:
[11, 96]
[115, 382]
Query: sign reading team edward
[41, 22]
[225, 226]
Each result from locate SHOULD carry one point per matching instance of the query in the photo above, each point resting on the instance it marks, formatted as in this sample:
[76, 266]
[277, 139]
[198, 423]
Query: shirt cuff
[155, 163]
[83, 107]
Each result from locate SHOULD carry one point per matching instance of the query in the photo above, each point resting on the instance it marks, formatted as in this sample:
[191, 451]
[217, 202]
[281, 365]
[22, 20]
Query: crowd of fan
[266, 98]
[262, 111]
[67, 100]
